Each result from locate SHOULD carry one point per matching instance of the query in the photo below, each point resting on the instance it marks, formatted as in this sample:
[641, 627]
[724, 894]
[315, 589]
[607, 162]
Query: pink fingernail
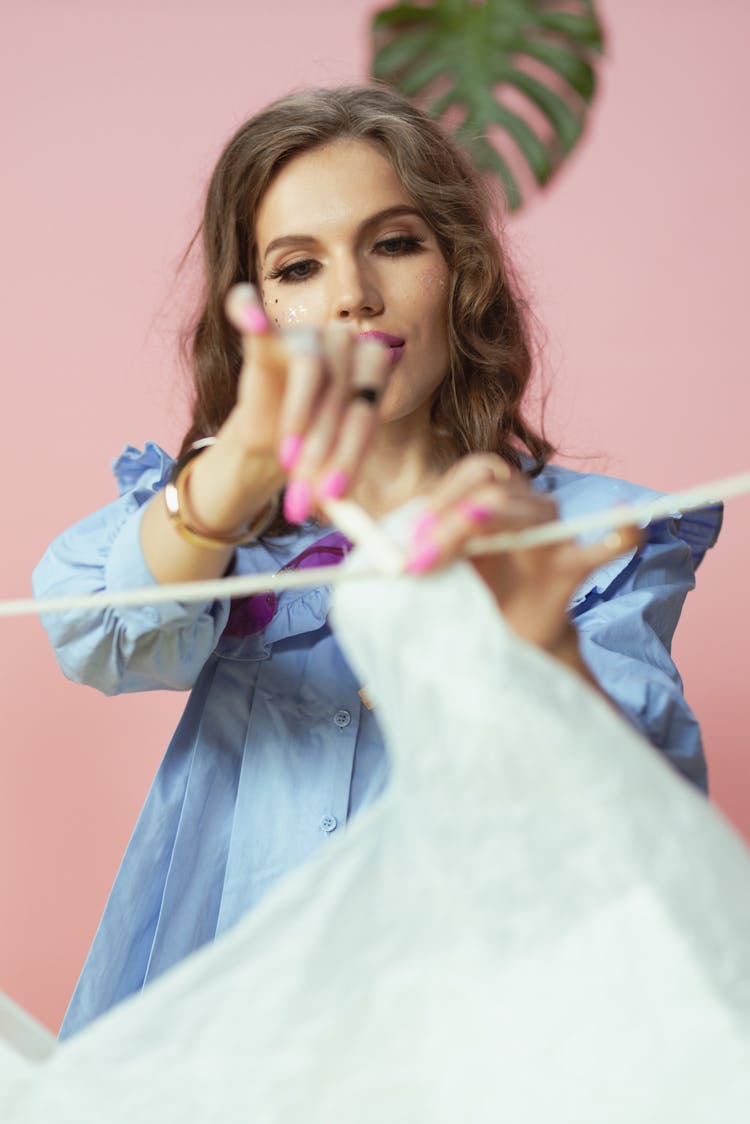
[423, 525]
[297, 500]
[333, 486]
[289, 450]
[476, 512]
[422, 558]
[253, 319]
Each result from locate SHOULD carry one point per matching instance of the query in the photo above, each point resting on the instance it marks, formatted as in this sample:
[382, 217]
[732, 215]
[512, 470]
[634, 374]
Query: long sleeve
[625, 633]
[123, 649]
[627, 611]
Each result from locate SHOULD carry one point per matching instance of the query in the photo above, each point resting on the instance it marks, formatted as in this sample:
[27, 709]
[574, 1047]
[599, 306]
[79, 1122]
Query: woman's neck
[400, 466]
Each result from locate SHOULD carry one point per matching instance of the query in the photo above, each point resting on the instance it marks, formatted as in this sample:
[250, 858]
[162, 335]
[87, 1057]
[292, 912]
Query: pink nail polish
[476, 512]
[423, 525]
[253, 319]
[289, 450]
[423, 558]
[333, 486]
[297, 498]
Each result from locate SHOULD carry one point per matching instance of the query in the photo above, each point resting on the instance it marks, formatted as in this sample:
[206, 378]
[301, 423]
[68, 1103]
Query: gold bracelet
[174, 501]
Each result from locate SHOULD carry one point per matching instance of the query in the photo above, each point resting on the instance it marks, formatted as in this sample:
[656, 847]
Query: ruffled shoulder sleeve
[142, 473]
[130, 647]
[698, 529]
[626, 611]
[579, 493]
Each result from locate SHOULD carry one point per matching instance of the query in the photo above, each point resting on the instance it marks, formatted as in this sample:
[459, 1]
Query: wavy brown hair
[478, 407]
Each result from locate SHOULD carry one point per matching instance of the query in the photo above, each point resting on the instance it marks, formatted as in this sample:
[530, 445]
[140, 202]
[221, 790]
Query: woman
[373, 345]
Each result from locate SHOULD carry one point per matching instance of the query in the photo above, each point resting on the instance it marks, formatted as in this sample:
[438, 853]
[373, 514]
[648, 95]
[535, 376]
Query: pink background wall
[114, 114]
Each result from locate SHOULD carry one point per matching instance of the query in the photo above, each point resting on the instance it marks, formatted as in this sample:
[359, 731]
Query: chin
[398, 405]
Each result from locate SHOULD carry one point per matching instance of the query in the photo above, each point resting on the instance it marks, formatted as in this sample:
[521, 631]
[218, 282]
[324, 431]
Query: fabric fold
[534, 894]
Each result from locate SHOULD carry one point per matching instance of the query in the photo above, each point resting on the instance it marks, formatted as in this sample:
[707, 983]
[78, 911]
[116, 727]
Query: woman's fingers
[591, 557]
[339, 345]
[260, 348]
[262, 382]
[299, 498]
[533, 586]
[341, 424]
[244, 310]
[483, 480]
[358, 421]
[488, 512]
[468, 475]
[478, 496]
[305, 387]
[298, 397]
[481, 497]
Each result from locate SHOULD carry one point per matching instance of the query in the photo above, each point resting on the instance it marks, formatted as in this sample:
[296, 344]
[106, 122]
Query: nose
[356, 294]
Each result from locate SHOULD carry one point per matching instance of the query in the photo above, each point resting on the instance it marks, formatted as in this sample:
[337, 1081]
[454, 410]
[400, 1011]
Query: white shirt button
[328, 824]
[342, 718]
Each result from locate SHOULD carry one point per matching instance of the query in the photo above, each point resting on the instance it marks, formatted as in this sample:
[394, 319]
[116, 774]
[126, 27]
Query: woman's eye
[399, 244]
[297, 271]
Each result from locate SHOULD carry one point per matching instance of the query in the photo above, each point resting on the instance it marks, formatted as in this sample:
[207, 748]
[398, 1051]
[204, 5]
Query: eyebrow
[373, 220]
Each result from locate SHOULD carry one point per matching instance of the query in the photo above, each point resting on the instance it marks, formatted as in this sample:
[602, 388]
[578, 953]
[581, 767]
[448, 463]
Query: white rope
[626, 515]
[360, 527]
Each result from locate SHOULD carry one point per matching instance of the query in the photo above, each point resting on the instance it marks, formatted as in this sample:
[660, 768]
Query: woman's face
[339, 240]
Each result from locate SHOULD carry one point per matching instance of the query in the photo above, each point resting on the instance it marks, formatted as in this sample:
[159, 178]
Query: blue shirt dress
[276, 748]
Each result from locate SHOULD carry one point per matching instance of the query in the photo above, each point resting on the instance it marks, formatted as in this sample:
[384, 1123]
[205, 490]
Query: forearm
[227, 488]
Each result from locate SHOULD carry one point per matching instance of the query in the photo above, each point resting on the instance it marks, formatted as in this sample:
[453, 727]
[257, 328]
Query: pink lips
[395, 344]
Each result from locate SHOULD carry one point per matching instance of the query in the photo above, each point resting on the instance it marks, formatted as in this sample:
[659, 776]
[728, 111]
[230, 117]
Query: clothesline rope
[625, 515]
[361, 528]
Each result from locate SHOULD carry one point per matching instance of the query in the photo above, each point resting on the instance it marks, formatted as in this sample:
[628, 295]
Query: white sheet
[538, 922]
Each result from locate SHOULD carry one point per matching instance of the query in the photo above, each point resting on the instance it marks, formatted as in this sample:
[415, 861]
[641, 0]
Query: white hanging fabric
[539, 921]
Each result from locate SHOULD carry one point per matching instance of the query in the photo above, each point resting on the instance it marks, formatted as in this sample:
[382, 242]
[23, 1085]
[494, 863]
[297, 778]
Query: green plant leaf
[488, 159]
[400, 14]
[401, 52]
[566, 124]
[582, 28]
[423, 71]
[535, 151]
[471, 55]
[576, 71]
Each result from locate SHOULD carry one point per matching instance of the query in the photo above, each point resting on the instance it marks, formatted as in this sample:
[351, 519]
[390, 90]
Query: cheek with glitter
[296, 315]
[432, 280]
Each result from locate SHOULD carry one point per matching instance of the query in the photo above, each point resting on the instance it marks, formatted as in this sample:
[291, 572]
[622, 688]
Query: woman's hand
[300, 414]
[481, 496]
[300, 407]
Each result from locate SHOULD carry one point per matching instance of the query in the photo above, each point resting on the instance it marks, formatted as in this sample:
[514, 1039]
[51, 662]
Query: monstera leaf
[509, 78]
